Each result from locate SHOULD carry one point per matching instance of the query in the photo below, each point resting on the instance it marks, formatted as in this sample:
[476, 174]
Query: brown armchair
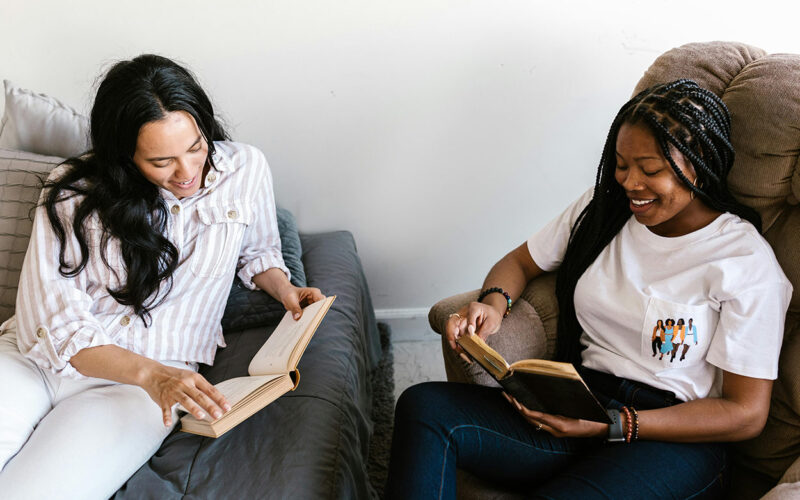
[762, 92]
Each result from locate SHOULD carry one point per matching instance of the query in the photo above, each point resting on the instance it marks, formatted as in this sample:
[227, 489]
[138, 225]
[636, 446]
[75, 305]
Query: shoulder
[741, 244]
[239, 155]
[70, 194]
[573, 211]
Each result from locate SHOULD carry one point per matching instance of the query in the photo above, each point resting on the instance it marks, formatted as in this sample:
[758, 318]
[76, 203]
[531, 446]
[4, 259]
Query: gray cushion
[291, 248]
[21, 175]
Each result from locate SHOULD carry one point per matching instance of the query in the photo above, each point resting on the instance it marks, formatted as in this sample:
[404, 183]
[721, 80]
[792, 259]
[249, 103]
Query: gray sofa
[312, 442]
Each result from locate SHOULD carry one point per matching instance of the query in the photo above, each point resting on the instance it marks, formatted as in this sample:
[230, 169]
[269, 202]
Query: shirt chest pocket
[677, 334]
[220, 237]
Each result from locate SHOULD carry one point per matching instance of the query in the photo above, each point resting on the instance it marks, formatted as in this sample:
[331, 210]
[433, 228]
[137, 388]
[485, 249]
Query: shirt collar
[221, 160]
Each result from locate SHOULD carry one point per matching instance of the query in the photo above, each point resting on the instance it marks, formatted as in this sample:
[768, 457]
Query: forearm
[702, 420]
[273, 281]
[739, 413]
[115, 363]
[511, 273]
[164, 384]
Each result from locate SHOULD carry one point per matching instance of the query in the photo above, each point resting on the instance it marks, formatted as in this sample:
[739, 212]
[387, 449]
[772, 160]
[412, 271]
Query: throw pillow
[255, 308]
[20, 182]
[42, 125]
[290, 246]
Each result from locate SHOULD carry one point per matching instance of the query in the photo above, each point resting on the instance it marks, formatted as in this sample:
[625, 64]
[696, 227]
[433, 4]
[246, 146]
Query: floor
[417, 353]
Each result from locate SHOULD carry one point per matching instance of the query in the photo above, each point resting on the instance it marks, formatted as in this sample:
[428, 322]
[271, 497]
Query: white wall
[441, 133]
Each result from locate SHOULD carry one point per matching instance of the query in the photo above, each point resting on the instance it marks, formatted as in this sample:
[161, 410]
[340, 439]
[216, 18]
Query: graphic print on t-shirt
[671, 337]
[673, 334]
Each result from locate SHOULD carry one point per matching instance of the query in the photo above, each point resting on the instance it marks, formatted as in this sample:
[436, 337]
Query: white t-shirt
[724, 277]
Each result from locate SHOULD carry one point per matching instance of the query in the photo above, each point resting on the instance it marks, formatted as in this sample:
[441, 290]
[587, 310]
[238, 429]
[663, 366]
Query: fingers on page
[167, 414]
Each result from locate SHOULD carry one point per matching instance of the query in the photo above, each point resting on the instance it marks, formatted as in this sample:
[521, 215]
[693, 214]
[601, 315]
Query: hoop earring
[694, 183]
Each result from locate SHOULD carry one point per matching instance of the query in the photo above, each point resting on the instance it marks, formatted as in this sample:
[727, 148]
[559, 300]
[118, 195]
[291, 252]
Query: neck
[696, 215]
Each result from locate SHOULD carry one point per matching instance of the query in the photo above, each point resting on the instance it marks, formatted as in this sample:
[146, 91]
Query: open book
[538, 384]
[273, 373]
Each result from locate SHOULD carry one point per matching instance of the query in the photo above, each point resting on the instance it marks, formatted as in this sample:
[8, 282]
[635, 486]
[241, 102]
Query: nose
[630, 179]
[183, 171]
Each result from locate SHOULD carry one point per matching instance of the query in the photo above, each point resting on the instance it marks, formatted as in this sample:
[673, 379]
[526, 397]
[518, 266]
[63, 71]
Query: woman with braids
[658, 236]
[123, 287]
[657, 339]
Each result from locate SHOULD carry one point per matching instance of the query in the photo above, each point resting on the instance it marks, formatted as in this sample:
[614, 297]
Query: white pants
[70, 439]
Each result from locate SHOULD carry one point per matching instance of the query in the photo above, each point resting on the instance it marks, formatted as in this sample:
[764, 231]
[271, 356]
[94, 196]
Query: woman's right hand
[474, 317]
[167, 385]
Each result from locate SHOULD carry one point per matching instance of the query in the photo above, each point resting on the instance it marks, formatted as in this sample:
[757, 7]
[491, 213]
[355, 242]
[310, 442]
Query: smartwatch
[615, 433]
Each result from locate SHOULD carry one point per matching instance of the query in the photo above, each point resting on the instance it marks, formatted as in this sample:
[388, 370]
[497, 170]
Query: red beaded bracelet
[497, 289]
[629, 424]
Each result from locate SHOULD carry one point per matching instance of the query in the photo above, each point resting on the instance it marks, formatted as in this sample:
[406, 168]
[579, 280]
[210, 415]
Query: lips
[185, 185]
[639, 206]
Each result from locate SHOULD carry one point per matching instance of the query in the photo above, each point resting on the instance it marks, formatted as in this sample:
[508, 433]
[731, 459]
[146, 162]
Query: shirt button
[125, 321]
[176, 209]
[41, 332]
[211, 177]
[232, 214]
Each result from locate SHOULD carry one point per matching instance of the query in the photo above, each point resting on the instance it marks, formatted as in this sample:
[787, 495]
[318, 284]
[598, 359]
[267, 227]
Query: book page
[487, 357]
[236, 389]
[275, 356]
[546, 367]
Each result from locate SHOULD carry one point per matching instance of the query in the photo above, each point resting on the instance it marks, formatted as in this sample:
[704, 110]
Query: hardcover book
[273, 372]
[538, 384]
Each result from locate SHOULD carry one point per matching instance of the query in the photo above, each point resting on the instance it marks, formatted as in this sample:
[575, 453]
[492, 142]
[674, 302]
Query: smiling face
[657, 197]
[171, 153]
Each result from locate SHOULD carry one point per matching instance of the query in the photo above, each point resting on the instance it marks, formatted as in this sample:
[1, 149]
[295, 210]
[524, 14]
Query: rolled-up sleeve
[53, 312]
[261, 246]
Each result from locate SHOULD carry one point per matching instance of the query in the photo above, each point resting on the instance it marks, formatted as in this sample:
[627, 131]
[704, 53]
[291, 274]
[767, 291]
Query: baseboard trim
[409, 313]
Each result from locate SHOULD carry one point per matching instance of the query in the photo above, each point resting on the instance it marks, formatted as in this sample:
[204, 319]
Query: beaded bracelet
[629, 422]
[635, 423]
[497, 289]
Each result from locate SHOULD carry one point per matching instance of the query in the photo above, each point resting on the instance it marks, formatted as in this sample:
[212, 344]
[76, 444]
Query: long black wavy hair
[130, 208]
[682, 116]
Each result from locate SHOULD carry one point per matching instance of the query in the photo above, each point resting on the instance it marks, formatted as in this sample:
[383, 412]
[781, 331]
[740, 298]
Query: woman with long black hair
[132, 254]
[658, 236]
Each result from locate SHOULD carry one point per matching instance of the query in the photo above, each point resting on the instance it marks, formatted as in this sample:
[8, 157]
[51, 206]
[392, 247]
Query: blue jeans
[441, 426]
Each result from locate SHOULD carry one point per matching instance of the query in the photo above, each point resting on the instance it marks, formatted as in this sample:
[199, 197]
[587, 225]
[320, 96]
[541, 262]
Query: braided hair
[682, 116]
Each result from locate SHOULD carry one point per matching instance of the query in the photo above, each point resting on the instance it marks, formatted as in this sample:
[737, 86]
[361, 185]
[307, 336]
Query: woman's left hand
[557, 425]
[294, 299]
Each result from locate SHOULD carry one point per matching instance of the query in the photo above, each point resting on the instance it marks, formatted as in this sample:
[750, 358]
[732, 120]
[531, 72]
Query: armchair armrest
[529, 331]
[789, 485]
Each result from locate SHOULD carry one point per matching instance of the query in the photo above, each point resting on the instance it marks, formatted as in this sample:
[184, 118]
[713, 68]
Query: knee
[418, 401]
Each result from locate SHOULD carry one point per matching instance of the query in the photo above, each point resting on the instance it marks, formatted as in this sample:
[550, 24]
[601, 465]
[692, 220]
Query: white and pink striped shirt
[227, 225]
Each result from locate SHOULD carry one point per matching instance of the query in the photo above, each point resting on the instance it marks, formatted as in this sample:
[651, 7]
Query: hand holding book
[557, 425]
[474, 318]
[546, 387]
[273, 372]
